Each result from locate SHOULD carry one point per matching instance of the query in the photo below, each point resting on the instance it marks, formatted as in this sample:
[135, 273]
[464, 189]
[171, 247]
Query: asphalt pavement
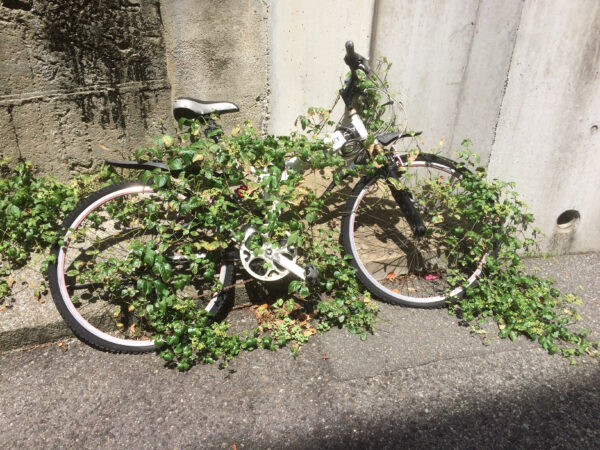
[421, 381]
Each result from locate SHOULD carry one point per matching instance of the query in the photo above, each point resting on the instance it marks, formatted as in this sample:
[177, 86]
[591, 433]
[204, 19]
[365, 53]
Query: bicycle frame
[356, 131]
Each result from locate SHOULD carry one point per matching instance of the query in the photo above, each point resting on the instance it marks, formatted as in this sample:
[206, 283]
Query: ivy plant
[521, 303]
[214, 190]
[31, 210]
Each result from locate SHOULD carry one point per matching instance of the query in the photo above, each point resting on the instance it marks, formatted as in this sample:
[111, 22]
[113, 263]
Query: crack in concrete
[374, 23]
[503, 95]
[437, 361]
[14, 128]
[266, 100]
[463, 79]
[135, 86]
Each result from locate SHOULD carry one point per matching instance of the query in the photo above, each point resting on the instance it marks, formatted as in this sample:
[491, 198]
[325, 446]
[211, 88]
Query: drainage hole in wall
[594, 129]
[568, 220]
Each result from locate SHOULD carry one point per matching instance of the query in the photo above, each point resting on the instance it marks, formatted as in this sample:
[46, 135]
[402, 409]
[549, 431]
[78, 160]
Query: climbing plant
[214, 190]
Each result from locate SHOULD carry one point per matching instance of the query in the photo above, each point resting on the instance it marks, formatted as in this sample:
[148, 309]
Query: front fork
[405, 200]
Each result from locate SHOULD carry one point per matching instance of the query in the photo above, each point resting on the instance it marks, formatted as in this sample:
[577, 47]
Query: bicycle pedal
[312, 274]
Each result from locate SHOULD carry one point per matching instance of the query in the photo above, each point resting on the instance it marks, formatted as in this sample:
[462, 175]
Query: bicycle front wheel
[94, 280]
[398, 265]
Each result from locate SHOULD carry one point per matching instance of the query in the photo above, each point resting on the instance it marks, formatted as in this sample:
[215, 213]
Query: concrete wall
[429, 57]
[218, 50]
[307, 54]
[451, 72]
[518, 77]
[547, 139]
[77, 74]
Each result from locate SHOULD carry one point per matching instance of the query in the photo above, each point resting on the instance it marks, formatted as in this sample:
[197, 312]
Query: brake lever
[364, 65]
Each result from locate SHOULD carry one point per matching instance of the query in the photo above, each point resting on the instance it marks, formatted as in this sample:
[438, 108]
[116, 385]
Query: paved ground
[421, 381]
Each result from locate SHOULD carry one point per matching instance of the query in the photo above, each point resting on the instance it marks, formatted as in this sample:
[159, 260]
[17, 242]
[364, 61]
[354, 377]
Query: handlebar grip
[350, 48]
[351, 58]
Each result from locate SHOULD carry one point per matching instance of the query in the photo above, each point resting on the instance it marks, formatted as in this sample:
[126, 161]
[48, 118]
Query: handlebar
[354, 60]
[350, 57]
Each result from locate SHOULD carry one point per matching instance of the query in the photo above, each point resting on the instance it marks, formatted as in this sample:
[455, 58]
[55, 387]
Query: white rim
[61, 275]
[376, 283]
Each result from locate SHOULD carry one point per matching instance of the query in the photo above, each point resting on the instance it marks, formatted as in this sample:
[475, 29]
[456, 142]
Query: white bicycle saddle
[191, 108]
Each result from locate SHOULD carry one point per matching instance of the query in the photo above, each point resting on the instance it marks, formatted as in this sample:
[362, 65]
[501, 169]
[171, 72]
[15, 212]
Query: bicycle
[388, 229]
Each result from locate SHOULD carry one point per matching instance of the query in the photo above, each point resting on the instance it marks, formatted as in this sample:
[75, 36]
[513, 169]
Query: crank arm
[289, 265]
[308, 273]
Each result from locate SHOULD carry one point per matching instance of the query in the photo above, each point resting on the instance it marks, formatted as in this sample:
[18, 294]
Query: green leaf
[145, 286]
[175, 164]
[167, 140]
[163, 269]
[149, 255]
[292, 238]
[160, 179]
[294, 286]
[304, 291]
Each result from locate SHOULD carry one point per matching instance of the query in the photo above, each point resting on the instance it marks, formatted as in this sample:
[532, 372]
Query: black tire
[391, 262]
[100, 230]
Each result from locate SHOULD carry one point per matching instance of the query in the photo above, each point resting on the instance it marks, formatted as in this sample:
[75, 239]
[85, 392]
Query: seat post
[212, 127]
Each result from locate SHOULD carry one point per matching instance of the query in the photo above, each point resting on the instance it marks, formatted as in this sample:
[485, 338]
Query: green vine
[201, 193]
[31, 210]
[519, 302]
[215, 190]
[372, 101]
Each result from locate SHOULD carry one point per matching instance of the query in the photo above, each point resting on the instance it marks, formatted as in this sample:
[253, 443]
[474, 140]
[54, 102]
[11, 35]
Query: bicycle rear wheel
[93, 281]
[397, 265]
